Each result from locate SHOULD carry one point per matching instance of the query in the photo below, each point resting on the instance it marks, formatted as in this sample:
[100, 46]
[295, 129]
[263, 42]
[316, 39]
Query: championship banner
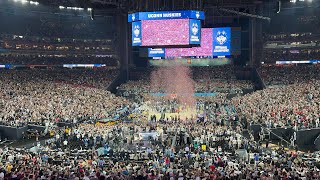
[194, 31]
[136, 34]
[161, 15]
[221, 41]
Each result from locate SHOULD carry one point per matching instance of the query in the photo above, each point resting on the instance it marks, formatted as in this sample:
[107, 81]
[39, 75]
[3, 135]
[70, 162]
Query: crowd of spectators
[291, 37]
[271, 56]
[179, 150]
[54, 44]
[292, 74]
[55, 95]
[57, 60]
[291, 98]
[207, 79]
[197, 147]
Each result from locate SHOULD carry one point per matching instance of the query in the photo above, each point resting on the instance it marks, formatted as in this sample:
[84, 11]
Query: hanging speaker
[279, 7]
[92, 14]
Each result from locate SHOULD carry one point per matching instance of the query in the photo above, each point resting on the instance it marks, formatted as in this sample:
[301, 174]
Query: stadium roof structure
[150, 5]
[211, 7]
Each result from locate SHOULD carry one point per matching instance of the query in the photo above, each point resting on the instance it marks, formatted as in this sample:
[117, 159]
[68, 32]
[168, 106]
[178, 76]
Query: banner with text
[194, 31]
[161, 15]
[221, 41]
[136, 34]
[156, 52]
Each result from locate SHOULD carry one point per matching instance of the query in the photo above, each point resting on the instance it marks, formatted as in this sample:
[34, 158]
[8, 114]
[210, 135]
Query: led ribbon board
[164, 15]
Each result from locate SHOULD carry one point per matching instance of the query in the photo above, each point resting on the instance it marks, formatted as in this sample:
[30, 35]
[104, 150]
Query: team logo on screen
[221, 37]
[136, 30]
[133, 17]
[197, 14]
[195, 29]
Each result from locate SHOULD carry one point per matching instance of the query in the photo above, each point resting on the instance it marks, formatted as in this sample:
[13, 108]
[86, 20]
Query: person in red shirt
[213, 168]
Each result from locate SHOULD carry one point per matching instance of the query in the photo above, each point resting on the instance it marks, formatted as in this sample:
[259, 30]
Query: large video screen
[205, 48]
[165, 32]
[171, 32]
[215, 42]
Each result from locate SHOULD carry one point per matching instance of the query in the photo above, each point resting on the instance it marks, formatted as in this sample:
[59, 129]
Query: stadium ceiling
[213, 8]
[150, 5]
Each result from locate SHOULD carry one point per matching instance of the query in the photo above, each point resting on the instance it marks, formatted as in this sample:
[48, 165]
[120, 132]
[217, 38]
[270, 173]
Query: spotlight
[89, 9]
[61, 7]
[34, 3]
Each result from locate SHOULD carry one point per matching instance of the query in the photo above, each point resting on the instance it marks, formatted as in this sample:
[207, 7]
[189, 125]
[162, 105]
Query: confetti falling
[175, 81]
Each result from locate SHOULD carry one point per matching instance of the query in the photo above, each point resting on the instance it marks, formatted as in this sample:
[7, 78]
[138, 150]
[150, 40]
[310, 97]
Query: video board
[215, 42]
[170, 32]
[205, 48]
[166, 28]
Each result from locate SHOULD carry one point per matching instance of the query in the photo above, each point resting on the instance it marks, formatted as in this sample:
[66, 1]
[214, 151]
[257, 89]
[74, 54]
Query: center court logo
[136, 30]
[221, 37]
[195, 29]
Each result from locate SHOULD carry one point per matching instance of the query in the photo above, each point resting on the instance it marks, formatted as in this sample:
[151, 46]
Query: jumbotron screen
[205, 48]
[215, 42]
[165, 32]
[169, 32]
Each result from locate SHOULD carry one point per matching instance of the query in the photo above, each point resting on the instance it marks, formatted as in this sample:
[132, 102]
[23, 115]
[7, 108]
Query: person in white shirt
[10, 158]
[187, 149]
[65, 143]
[57, 136]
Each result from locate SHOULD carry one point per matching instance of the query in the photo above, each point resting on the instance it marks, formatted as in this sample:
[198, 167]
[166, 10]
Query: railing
[276, 135]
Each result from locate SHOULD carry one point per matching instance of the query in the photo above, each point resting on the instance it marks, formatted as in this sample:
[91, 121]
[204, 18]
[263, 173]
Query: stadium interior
[159, 89]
